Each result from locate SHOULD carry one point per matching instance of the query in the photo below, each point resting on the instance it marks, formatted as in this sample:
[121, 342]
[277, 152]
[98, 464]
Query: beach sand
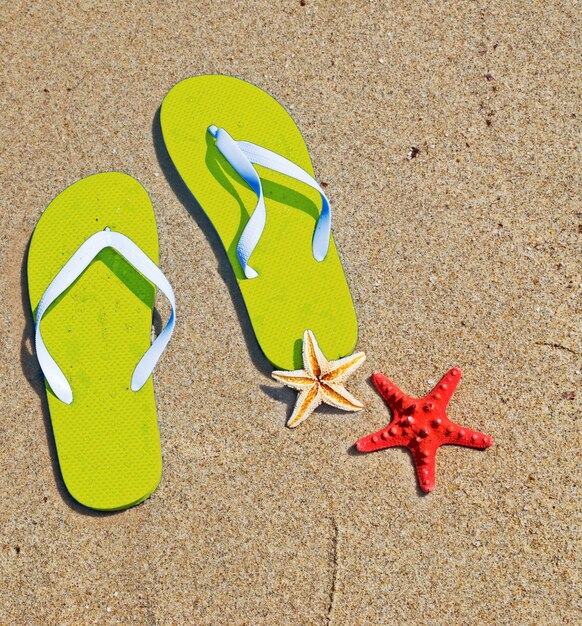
[447, 135]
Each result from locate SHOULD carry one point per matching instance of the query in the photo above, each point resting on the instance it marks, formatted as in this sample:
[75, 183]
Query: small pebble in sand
[412, 153]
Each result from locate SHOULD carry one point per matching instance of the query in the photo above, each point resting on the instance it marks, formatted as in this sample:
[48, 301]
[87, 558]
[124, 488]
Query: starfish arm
[389, 437]
[313, 359]
[339, 370]
[338, 396]
[444, 390]
[298, 379]
[307, 401]
[393, 396]
[425, 464]
[461, 436]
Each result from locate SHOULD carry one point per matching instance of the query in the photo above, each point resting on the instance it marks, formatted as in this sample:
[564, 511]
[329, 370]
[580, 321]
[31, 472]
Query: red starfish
[421, 425]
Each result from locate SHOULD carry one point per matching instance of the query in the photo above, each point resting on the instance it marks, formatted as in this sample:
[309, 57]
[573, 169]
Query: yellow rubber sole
[107, 440]
[293, 292]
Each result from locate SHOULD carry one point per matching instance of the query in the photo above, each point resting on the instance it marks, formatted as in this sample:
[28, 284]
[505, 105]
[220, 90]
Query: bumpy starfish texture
[320, 381]
[421, 425]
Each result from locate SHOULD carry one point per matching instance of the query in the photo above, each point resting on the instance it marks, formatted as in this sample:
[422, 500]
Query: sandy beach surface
[447, 134]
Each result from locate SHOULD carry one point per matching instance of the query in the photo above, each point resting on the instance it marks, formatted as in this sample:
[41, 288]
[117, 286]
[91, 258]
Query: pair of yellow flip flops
[92, 272]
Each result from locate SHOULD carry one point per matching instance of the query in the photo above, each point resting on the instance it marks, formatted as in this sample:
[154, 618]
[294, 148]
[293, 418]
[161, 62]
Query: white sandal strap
[242, 155]
[69, 273]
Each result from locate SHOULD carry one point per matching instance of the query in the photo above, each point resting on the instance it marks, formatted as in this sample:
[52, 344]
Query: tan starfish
[320, 381]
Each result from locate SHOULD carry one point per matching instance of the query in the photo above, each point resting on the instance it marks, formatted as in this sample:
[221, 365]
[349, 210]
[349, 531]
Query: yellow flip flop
[92, 276]
[245, 161]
